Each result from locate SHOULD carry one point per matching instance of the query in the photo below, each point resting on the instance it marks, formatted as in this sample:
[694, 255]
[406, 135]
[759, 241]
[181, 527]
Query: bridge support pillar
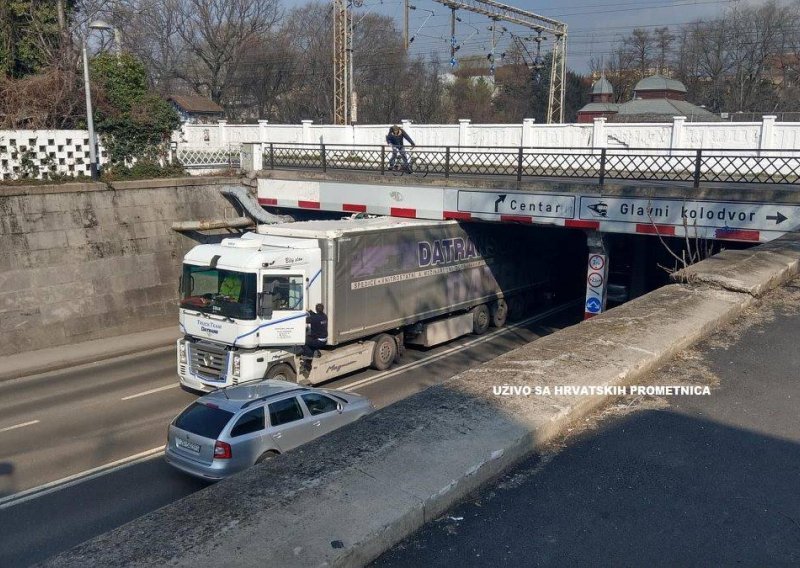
[262, 130]
[463, 132]
[767, 132]
[676, 138]
[527, 132]
[599, 139]
[307, 131]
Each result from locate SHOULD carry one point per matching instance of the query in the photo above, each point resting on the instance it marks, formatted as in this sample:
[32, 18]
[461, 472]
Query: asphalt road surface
[81, 449]
[685, 481]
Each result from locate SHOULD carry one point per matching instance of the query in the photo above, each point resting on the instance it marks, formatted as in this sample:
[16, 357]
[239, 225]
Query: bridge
[732, 195]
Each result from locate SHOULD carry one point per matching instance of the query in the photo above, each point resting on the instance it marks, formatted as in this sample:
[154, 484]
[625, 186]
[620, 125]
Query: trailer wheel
[384, 353]
[282, 372]
[516, 308]
[499, 313]
[480, 319]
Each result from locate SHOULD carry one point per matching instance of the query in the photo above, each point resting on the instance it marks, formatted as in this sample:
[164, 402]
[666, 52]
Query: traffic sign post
[596, 285]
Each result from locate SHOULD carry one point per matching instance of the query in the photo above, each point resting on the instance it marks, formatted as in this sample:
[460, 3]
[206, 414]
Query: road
[685, 481]
[80, 449]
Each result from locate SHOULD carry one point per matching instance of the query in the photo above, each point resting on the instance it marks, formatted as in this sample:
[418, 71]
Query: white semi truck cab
[383, 282]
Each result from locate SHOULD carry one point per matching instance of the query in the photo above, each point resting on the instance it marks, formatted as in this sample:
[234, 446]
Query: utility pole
[344, 94]
[452, 37]
[340, 65]
[405, 27]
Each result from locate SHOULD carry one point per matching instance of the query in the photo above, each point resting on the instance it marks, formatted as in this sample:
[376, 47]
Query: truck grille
[209, 363]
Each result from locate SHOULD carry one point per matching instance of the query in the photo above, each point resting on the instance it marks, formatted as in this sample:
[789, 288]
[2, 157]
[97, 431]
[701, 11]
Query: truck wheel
[282, 372]
[384, 353]
[499, 313]
[480, 319]
[516, 308]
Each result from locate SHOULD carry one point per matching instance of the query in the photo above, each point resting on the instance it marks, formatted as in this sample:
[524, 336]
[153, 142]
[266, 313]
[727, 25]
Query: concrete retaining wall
[84, 261]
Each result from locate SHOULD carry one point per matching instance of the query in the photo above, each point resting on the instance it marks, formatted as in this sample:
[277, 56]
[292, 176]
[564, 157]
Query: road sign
[714, 214]
[546, 205]
[595, 279]
[593, 306]
[597, 261]
[596, 284]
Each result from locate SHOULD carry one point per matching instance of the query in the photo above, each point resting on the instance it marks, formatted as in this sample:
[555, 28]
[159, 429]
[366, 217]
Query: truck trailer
[384, 283]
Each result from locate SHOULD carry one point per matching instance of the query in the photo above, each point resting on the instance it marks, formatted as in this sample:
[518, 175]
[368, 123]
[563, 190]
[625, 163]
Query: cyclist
[395, 138]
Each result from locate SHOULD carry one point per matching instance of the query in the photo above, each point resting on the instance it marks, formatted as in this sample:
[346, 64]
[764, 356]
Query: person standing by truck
[317, 331]
[395, 138]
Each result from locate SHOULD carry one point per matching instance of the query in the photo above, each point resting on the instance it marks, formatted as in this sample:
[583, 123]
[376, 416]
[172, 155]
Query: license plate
[187, 445]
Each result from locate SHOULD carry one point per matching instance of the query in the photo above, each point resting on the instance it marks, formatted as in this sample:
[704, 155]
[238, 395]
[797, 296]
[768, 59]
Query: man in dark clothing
[395, 139]
[317, 331]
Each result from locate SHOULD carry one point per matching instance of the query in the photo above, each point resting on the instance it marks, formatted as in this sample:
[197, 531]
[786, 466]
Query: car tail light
[222, 451]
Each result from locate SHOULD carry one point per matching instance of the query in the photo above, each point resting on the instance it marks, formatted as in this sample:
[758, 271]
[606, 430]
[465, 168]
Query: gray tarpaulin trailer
[385, 273]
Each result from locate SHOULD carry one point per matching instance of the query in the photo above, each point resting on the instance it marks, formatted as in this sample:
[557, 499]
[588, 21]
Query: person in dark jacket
[317, 331]
[395, 139]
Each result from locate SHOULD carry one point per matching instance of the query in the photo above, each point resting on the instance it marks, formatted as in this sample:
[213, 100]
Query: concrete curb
[56, 358]
[344, 499]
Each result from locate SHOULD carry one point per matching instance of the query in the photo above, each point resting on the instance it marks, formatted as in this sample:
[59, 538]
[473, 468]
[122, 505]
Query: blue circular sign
[593, 306]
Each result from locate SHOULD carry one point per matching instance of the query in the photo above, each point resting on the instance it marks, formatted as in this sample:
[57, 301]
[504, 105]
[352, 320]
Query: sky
[593, 25]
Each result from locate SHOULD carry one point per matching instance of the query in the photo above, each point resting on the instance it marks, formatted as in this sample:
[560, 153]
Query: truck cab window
[216, 291]
[285, 291]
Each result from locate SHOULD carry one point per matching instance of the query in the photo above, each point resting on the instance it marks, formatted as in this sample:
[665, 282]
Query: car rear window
[203, 420]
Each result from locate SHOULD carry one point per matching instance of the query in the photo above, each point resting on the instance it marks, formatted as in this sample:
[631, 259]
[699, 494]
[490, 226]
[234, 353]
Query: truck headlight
[182, 352]
[237, 364]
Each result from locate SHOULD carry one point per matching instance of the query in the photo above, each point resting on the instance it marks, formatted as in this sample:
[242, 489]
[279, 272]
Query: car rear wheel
[480, 319]
[266, 456]
[282, 372]
[384, 353]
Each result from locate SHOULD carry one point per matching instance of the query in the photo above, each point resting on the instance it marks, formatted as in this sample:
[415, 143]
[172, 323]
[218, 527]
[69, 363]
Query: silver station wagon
[231, 429]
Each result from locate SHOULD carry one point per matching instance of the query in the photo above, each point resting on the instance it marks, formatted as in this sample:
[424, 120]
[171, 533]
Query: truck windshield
[217, 291]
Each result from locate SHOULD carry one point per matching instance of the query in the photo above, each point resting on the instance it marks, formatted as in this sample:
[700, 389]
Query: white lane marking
[15, 426]
[89, 474]
[151, 391]
[435, 357]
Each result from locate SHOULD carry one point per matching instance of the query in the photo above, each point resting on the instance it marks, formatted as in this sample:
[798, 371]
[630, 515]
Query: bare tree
[217, 33]
[663, 41]
[640, 45]
[151, 30]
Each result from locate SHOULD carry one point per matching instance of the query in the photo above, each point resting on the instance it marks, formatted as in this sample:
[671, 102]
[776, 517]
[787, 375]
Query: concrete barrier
[351, 495]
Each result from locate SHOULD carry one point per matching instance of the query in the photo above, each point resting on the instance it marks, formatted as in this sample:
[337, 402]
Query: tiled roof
[659, 83]
[667, 108]
[193, 103]
[600, 107]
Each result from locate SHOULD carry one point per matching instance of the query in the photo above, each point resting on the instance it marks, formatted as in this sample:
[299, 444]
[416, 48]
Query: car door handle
[317, 423]
[276, 436]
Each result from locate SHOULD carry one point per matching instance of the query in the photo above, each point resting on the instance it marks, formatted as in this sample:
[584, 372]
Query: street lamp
[101, 25]
[96, 25]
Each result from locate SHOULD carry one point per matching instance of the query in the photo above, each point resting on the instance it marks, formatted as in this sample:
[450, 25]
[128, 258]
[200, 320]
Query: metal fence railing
[208, 158]
[601, 164]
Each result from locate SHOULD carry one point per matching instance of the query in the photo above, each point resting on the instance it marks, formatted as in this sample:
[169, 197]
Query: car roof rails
[265, 397]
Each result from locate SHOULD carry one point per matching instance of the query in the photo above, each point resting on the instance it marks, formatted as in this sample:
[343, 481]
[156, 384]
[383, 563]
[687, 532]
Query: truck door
[283, 309]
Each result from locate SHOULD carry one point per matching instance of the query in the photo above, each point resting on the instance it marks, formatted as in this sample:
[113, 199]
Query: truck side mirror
[265, 299]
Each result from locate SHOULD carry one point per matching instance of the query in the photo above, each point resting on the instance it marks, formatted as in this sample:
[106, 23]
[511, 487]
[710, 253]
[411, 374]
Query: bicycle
[416, 165]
